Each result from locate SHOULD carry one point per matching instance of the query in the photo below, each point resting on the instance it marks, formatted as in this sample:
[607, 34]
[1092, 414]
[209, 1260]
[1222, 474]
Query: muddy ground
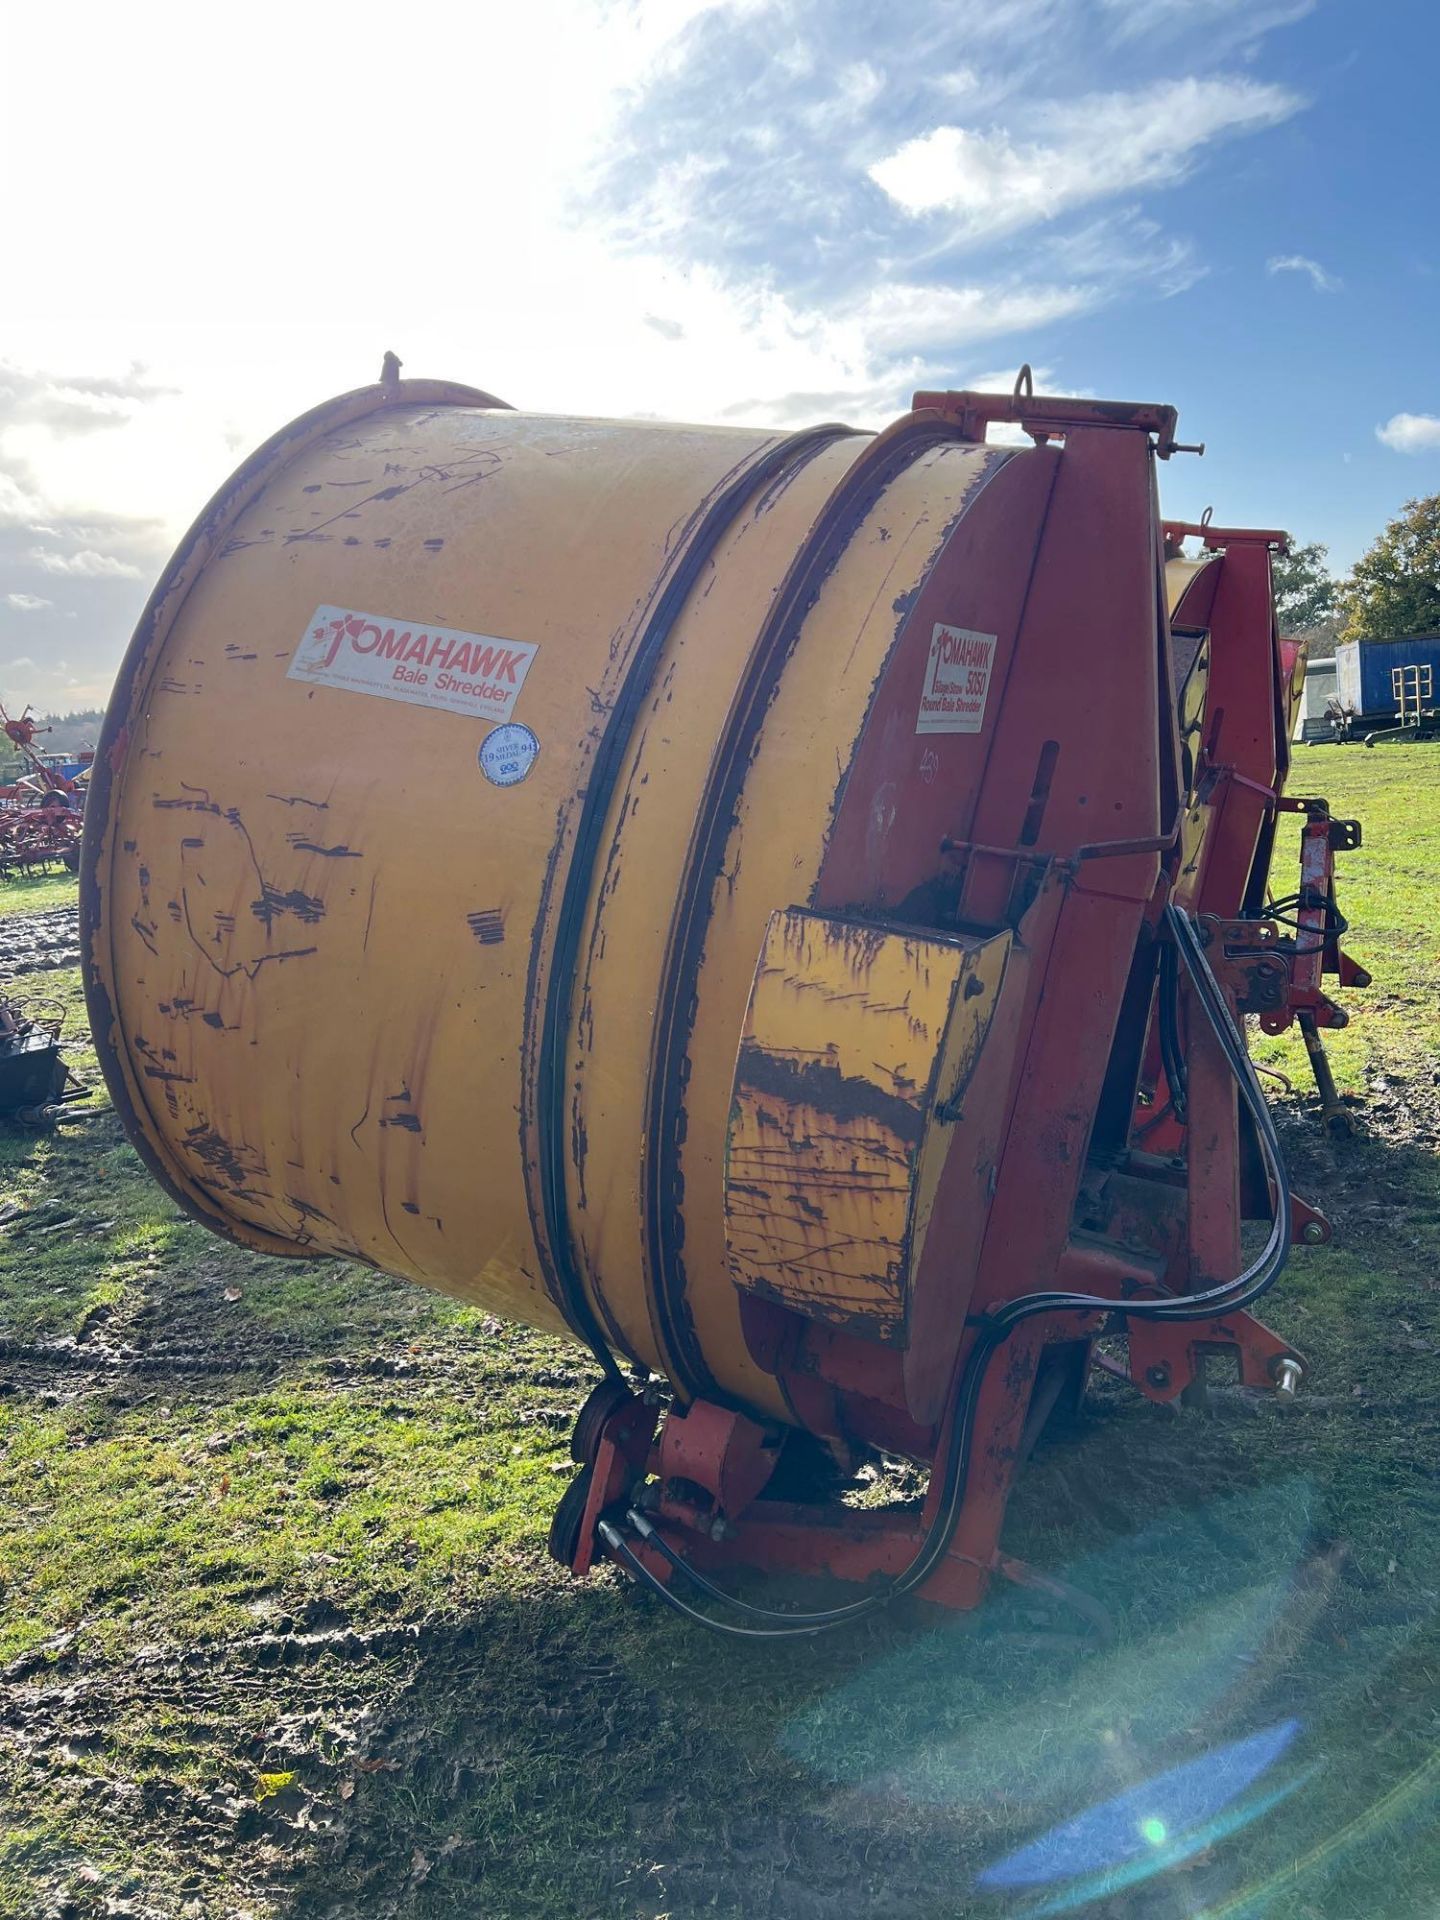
[39, 942]
[278, 1636]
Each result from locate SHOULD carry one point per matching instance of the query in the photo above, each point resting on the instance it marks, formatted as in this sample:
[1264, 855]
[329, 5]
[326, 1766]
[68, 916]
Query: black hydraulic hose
[618, 1545]
[995, 1328]
[653, 1537]
[1167, 1021]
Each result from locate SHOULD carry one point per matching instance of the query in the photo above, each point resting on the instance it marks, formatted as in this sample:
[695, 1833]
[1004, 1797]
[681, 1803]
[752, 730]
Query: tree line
[1392, 591]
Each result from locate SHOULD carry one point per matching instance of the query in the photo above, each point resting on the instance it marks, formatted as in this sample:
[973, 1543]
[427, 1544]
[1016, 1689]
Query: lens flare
[1144, 1819]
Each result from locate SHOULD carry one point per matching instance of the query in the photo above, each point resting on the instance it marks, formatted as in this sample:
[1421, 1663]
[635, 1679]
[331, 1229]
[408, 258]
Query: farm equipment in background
[1237, 687]
[1385, 689]
[41, 816]
[34, 839]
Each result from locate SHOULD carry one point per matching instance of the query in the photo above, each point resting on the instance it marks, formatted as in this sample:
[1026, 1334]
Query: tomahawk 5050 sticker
[425, 666]
[957, 681]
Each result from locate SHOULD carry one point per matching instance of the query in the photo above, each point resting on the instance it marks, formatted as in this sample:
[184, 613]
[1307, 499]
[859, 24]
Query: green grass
[34, 892]
[278, 1635]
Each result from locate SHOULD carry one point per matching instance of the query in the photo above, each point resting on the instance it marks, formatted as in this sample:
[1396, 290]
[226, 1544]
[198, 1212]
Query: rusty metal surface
[712, 907]
[858, 1046]
[1052, 416]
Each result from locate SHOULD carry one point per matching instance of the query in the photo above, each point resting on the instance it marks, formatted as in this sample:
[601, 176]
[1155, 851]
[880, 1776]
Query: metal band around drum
[554, 1239]
[880, 463]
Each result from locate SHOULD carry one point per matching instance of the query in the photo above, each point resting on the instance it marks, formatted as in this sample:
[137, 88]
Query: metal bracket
[1051, 416]
[1256, 979]
[1177, 530]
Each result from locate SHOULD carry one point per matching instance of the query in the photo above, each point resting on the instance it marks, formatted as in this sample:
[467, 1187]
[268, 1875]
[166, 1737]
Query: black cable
[1285, 912]
[616, 1542]
[1167, 1022]
[653, 1537]
[1229, 1297]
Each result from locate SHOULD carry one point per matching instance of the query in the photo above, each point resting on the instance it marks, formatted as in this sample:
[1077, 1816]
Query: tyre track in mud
[39, 942]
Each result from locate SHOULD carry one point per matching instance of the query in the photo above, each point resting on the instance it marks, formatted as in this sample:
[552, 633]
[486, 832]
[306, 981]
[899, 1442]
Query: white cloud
[908, 319]
[1322, 281]
[1411, 432]
[24, 664]
[1088, 150]
[76, 403]
[961, 83]
[255, 326]
[1002, 380]
[19, 507]
[856, 88]
[1233, 22]
[26, 602]
[87, 564]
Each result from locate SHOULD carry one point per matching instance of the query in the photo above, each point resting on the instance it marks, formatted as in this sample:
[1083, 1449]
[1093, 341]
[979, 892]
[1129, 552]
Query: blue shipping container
[1364, 669]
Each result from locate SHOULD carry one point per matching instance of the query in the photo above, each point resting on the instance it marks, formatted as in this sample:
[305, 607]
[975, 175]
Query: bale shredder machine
[780, 908]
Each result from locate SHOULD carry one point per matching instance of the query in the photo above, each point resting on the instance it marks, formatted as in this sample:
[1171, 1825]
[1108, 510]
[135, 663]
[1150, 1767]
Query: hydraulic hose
[995, 1327]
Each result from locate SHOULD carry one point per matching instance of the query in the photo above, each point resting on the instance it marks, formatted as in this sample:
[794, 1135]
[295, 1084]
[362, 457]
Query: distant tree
[1394, 589]
[68, 732]
[1320, 640]
[1306, 595]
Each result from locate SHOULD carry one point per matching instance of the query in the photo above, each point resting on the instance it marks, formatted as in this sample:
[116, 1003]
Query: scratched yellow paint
[321, 1050]
[632, 903]
[856, 1042]
[772, 857]
[319, 937]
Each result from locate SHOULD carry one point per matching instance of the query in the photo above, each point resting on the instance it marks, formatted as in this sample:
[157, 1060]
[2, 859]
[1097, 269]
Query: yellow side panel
[633, 900]
[857, 1045]
[781, 821]
[1179, 575]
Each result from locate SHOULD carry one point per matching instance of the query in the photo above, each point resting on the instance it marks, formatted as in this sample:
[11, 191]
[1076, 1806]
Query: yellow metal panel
[317, 912]
[857, 1042]
[1179, 573]
[319, 937]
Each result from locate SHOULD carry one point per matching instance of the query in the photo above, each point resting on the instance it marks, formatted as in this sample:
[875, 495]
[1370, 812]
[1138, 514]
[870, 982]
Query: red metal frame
[1113, 1198]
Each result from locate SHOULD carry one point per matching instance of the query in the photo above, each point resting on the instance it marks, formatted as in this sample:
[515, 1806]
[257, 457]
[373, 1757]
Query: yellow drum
[513, 834]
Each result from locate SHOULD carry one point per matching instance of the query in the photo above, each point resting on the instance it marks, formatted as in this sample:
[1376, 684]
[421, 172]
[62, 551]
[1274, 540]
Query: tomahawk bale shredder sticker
[957, 681]
[507, 754]
[425, 666]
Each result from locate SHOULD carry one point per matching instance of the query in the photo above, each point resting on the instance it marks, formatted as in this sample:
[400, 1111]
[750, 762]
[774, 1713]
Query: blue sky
[754, 210]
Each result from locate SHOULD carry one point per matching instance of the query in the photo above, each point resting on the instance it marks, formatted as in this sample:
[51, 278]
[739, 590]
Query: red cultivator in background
[40, 819]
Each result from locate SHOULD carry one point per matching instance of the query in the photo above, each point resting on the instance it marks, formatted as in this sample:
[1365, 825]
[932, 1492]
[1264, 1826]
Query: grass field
[34, 892]
[278, 1636]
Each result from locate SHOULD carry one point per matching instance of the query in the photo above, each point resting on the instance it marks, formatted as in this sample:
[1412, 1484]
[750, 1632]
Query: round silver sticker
[507, 754]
